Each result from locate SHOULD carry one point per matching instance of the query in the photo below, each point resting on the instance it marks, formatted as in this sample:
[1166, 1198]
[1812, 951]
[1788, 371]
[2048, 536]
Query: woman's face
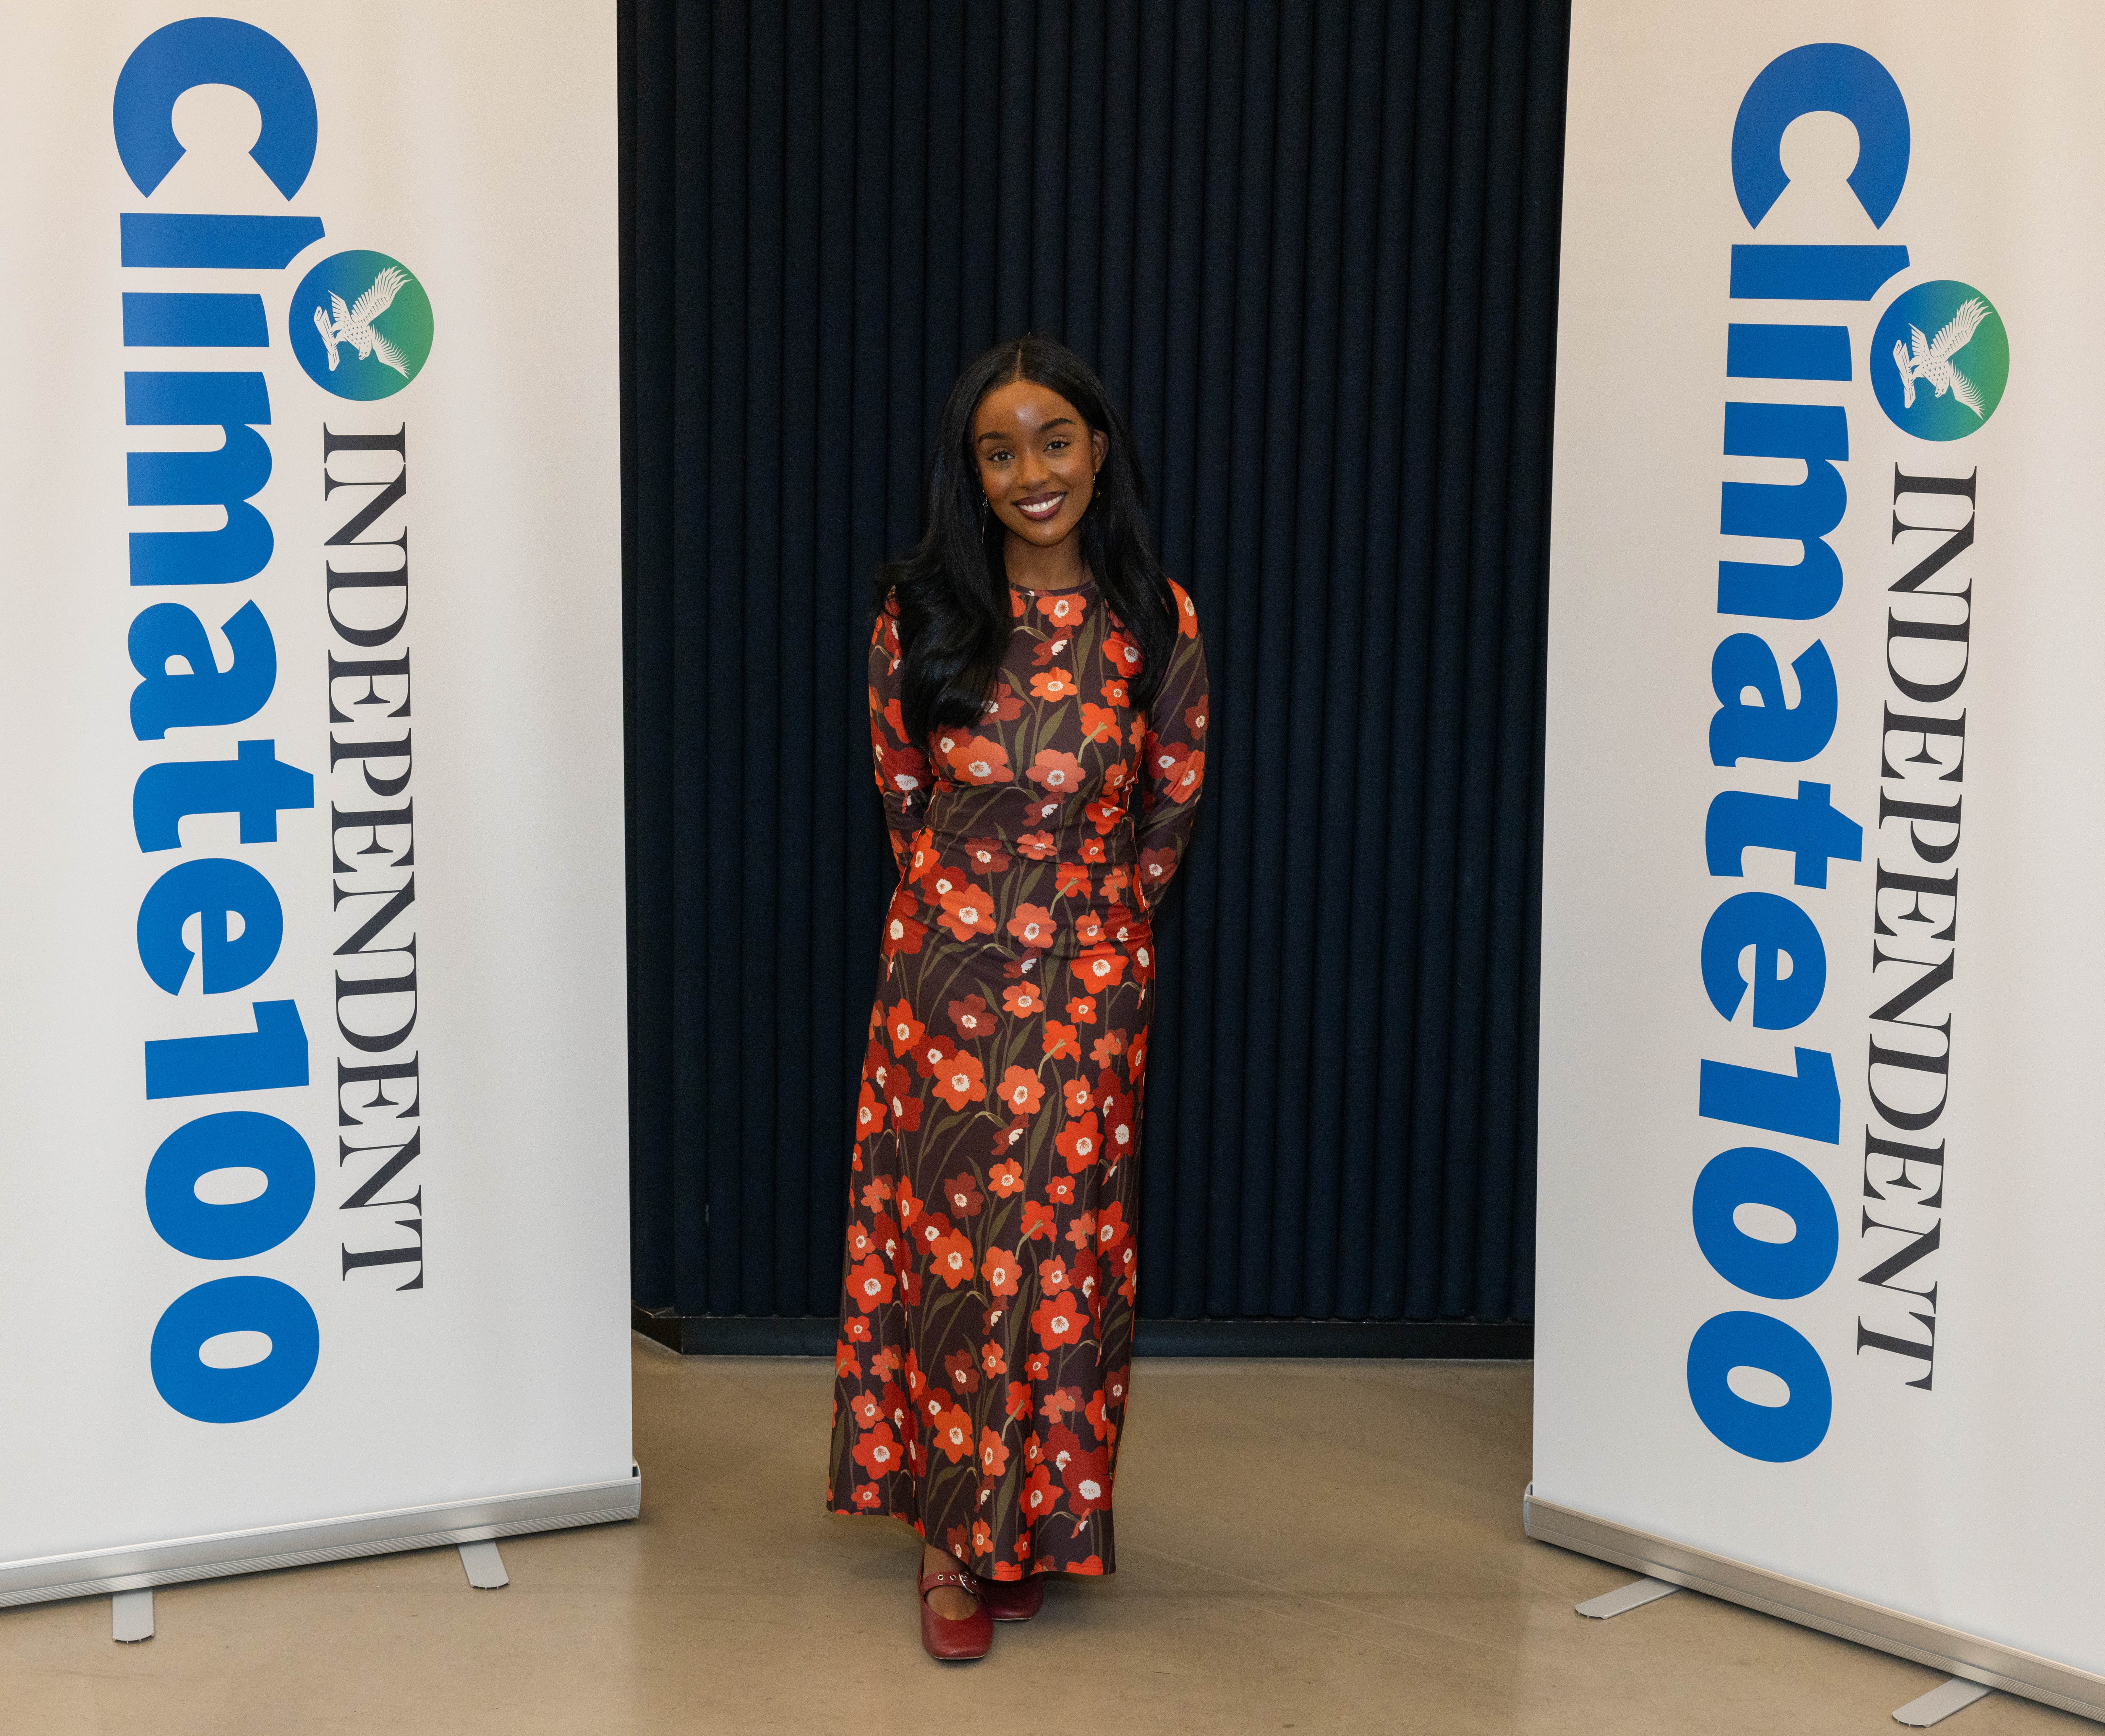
[1038, 461]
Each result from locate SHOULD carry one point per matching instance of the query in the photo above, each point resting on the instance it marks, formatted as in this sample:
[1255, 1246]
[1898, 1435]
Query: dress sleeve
[902, 769]
[1173, 753]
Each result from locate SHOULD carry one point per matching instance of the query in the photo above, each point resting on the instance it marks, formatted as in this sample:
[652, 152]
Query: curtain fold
[1312, 250]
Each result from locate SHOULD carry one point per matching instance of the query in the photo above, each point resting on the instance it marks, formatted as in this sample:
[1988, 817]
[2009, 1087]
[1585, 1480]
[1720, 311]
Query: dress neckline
[1072, 590]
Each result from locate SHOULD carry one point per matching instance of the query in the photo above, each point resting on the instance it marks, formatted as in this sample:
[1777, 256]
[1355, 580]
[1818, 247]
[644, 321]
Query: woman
[1038, 707]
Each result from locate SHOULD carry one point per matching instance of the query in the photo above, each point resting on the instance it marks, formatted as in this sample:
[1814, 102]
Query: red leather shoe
[1014, 1600]
[955, 1642]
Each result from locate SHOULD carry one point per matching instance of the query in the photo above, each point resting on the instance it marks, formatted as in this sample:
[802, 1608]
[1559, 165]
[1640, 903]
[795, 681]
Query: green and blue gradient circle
[1983, 361]
[405, 325]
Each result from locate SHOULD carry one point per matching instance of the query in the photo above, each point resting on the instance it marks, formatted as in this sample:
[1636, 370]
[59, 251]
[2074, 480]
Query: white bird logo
[1932, 359]
[354, 324]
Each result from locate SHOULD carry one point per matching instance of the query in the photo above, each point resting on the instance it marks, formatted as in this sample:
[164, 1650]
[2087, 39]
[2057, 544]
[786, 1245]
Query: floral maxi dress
[987, 1312]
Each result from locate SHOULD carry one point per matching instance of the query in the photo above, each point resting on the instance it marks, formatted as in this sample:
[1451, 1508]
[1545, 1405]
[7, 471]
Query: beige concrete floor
[1311, 1546]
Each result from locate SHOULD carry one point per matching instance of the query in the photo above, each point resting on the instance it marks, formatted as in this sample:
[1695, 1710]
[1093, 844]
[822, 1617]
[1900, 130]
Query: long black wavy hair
[952, 587]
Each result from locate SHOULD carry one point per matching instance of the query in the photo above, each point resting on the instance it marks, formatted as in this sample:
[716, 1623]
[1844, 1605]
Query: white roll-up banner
[313, 1233]
[1822, 1181]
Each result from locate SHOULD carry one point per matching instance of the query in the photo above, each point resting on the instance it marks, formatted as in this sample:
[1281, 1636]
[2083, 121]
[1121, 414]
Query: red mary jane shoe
[1014, 1600]
[956, 1642]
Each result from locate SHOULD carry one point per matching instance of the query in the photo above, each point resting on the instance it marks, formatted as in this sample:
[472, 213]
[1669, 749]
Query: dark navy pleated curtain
[1313, 249]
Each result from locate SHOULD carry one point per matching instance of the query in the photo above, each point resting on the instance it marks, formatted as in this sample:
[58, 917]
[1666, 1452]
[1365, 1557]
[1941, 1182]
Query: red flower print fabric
[987, 1310]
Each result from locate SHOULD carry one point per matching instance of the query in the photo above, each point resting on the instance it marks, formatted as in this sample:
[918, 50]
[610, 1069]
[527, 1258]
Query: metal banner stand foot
[1625, 1597]
[485, 1567]
[131, 1616]
[1940, 1702]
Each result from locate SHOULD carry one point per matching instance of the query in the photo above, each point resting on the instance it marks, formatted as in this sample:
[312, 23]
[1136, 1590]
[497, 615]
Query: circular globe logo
[361, 324]
[1940, 359]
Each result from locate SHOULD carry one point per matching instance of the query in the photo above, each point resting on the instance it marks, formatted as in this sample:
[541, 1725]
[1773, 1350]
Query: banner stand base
[1940, 1702]
[1623, 1599]
[131, 1616]
[484, 1567]
[138, 1569]
[1977, 1660]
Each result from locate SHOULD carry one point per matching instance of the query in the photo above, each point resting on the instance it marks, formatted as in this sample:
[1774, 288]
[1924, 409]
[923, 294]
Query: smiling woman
[1037, 713]
[1038, 465]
